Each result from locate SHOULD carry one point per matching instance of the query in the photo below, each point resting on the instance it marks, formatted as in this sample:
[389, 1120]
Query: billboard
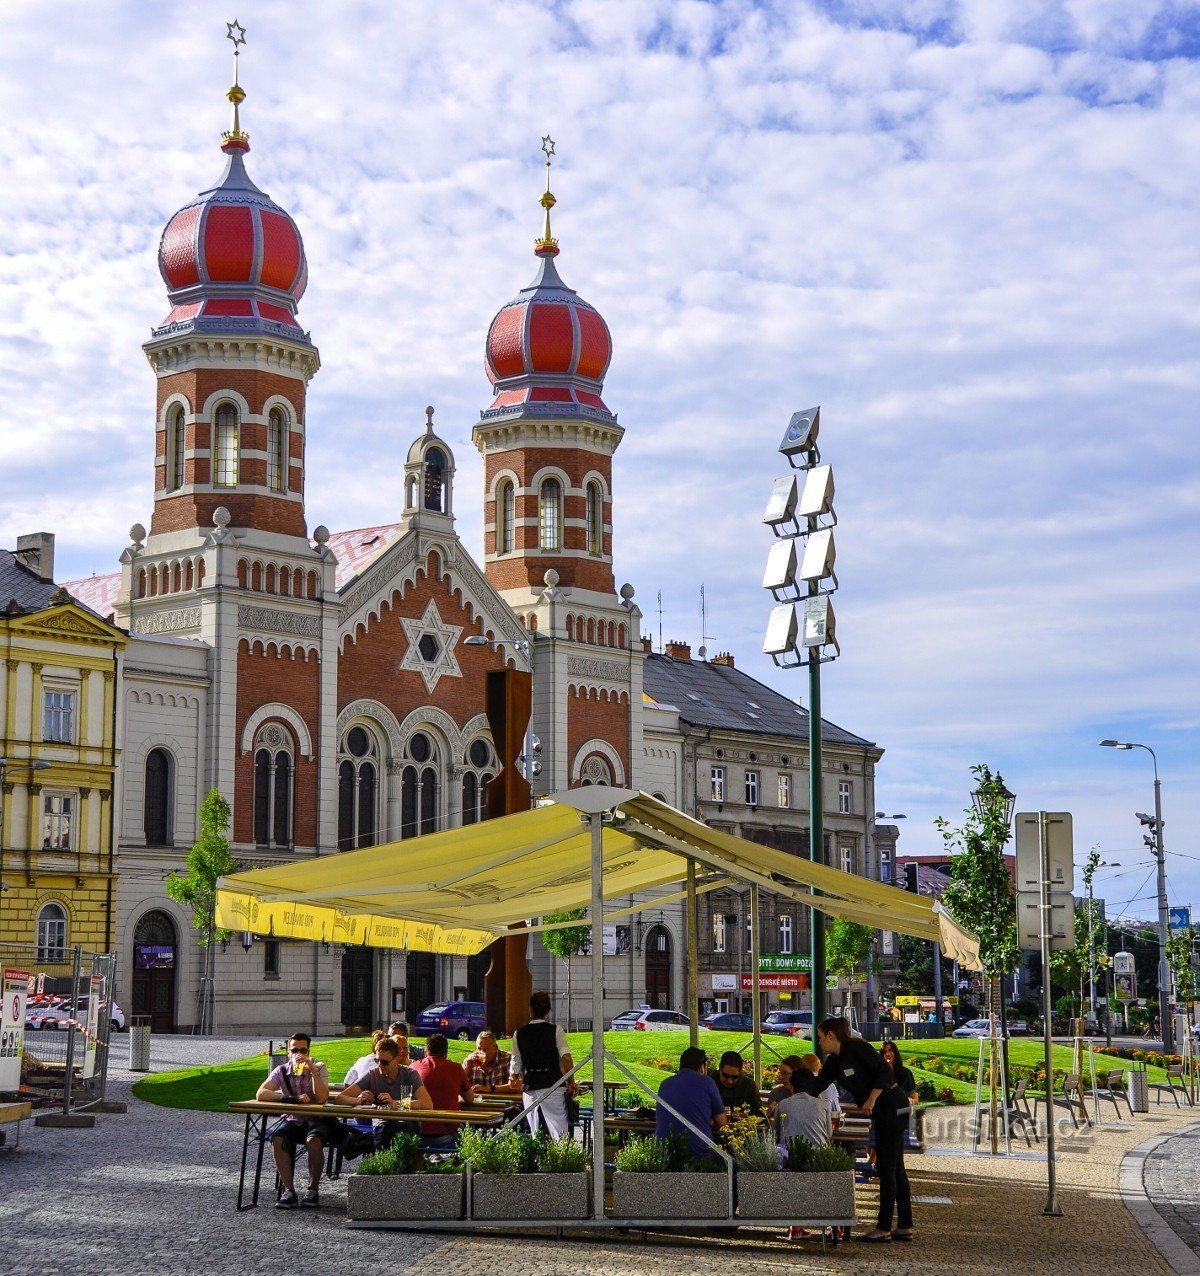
[14, 989]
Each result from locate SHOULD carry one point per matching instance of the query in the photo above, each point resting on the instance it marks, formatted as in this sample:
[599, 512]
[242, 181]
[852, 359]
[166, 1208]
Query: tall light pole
[1155, 842]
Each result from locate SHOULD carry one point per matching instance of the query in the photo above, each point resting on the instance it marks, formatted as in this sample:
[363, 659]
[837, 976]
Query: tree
[1179, 959]
[208, 860]
[1075, 964]
[847, 948]
[567, 942]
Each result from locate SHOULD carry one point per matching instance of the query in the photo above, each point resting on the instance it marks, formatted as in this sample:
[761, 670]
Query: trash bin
[1139, 1093]
[139, 1043]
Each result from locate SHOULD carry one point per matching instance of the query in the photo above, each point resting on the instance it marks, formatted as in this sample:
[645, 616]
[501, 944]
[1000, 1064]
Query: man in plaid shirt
[487, 1068]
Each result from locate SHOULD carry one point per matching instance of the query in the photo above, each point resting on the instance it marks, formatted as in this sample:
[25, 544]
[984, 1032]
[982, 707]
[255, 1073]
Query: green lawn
[210, 1089]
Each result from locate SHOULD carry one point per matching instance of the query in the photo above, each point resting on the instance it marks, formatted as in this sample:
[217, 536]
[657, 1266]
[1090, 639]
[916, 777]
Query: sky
[965, 229]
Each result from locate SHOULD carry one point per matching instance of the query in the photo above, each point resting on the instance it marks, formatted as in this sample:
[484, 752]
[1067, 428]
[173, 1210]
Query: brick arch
[286, 714]
[604, 750]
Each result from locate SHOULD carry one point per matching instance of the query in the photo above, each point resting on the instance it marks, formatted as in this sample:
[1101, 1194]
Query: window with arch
[506, 518]
[226, 446]
[156, 802]
[52, 934]
[435, 480]
[481, 767]
[358, 789]
[785, 934]
[595, 771]
[420, 786]
[273, 773]
[550, 514]
[718, 932]
[595, 518]
[277, 450]
[176, 448]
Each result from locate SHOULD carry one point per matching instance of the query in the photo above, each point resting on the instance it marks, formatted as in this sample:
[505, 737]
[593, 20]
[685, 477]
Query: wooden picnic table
[257, 1112]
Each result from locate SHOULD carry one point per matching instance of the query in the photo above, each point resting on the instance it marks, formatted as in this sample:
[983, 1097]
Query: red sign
[792, 982]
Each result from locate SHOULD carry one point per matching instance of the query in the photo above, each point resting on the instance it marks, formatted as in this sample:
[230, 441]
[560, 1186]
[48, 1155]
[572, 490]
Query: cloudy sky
[966, 230]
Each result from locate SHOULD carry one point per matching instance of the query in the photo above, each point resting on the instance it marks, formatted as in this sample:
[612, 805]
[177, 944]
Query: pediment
[70, 620]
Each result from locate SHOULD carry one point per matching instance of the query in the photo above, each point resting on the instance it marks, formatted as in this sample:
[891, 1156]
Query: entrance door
[419, 982]
[477, 965]
[658, 968]
[154, 947]
[358, 988]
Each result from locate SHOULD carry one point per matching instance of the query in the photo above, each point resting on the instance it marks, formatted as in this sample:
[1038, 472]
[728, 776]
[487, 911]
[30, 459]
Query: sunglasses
[730, 1076]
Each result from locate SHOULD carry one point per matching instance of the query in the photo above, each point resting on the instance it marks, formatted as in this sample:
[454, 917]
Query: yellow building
[58, 761]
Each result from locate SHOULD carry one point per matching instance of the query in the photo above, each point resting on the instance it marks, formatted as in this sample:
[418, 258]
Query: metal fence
[68, 1021]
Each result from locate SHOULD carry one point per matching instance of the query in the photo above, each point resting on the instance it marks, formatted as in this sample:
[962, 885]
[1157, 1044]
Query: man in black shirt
[540, 1057]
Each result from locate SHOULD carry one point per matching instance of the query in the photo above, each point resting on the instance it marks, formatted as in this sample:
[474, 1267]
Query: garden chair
[1174, 1085]
[1114, 1089]
[1072, 1098]
[1020, 1113]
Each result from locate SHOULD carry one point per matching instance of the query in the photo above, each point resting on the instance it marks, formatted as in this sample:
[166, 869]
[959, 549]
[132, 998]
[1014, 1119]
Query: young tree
[208, 860]
[1074, 965]
[567, 942]
[847, 948]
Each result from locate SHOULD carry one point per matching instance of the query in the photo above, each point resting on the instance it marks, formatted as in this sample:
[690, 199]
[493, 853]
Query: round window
[419, 748]
[479, 754]
[357, 742]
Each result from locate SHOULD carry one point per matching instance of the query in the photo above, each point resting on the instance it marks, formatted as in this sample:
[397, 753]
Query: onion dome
[548, 349]
[232, 259]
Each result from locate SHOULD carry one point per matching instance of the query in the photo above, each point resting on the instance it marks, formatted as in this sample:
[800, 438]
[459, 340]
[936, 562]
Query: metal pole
[1164, 969]
[68, 1075]
[597, 830]
[693, 996]
[938, 1011]
[816, 838]
[756, 1004]
[1091, 950]
[1052, 1206]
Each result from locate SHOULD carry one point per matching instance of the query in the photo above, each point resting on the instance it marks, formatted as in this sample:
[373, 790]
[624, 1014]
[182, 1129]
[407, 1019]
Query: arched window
[481, 767]
[595, 518]
[550, 515]
[156, 807]
[506, 518]
[435, 480]
[273, 787]
[358, 789]
[226, 447]
[595, 770]
[52, 935]
[419, 787]
[176, 447]
[277, 451]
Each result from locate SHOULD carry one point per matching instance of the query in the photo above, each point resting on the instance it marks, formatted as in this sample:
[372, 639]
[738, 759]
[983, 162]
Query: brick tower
[547, 442]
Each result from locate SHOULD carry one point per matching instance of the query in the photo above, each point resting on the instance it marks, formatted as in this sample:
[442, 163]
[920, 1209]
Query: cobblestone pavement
[152, 1191]
[1170, 1173]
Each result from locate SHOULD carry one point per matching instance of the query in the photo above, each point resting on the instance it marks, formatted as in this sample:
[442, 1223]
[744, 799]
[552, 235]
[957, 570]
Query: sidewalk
[153, 1190]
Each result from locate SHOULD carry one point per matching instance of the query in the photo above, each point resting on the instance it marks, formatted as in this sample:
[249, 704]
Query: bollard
[139, 1043]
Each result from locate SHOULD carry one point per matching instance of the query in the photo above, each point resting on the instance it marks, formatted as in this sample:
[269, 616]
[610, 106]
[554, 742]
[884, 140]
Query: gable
[71, 622]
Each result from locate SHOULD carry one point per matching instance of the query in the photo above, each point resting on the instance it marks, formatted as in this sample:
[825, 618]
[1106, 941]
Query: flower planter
[670, 1195]
[406, 1196]
[796, 1196]
[531, 1195]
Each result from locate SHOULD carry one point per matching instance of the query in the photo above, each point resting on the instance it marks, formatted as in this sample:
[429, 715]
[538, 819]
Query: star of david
[236, 32]
[431, 644]
[548, 145]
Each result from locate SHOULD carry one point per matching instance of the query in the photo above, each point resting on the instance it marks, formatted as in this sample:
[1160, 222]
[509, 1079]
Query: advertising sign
[1124, 977]
[14, 989]
[724, 983]
[795, 982]
[783, 961]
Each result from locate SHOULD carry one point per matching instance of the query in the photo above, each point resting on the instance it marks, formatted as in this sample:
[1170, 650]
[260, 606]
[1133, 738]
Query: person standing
[859, 1068]
[539, 1058]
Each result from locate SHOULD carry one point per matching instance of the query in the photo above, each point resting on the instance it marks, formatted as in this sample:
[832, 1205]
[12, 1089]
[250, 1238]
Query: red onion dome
[232, 259]
[548, 350]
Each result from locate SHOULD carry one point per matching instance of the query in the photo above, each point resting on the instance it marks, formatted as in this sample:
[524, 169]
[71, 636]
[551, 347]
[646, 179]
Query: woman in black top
[904, 1079]
[857, 1066]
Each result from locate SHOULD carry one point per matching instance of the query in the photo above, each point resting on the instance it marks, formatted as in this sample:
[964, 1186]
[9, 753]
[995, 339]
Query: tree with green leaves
[847, 948]
[1179, 959]
[567, 942]
[207, 861]
[1074, 965]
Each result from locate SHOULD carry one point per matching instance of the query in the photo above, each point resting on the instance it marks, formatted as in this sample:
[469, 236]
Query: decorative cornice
[273, 621]
[585, 667]
[166, 622]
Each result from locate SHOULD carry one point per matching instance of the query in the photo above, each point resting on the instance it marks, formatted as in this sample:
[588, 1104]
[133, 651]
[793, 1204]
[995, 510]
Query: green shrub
[403, 1156]
[492, 1153]
[561, 1156]
[947, 1095]
[643, 1154]
[926, 1091]
[804, 1157]
[758, 1153]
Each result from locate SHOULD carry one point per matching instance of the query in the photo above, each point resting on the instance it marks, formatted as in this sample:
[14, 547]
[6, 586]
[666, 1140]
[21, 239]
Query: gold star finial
[235, 33]
[547, 245]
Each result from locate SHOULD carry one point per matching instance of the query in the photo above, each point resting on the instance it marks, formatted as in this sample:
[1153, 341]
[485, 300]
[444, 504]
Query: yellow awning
[456, 891]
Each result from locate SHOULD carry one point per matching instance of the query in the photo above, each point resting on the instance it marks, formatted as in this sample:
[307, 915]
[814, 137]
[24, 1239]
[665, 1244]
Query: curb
[1181, 1258]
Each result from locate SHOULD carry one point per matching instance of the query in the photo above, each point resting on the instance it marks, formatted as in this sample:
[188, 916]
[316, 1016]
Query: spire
[235, 139]
[547, 246]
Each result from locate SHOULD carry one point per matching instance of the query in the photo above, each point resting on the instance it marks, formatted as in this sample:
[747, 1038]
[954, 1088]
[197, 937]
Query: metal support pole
[69, 1073]
[1052, 1205]
[597, 831]
[693, 962]
[938, 1009]
[756, 1004]
[1164, 968]
[816, 838]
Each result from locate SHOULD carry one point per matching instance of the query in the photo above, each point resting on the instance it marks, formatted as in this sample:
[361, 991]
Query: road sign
[1060, 848]
[1180, 917]
[1029, 920]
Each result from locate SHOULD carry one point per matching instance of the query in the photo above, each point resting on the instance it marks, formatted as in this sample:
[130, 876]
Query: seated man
[446, 1083]
[487, 1069]
[738, 1088]
[812, 1063]
[360, 1067]
[301, 1080]
[693, 1094]
[398, 1031]
[385, 1086]
[784, 1089]
[804, 1114]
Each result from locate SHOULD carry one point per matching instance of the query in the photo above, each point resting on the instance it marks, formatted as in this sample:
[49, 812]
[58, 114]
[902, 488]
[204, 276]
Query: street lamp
[1155, 842]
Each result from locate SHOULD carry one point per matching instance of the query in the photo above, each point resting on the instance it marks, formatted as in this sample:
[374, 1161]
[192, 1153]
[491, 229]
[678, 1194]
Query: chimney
[723, 658]
[647, 645]
[679, 650]
[36, 551]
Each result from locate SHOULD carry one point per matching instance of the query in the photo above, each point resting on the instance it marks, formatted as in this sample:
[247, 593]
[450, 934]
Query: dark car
[460, 1019]
[789, 1023]
[728, 1022]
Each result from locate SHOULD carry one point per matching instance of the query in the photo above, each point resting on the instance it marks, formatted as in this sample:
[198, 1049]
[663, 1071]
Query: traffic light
[910, 878]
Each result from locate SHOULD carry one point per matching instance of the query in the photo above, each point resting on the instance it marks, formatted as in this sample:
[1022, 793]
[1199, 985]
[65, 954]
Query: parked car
[46, 1007]
[61, 1019]
[789, 1023]
[974, 1028]
[726, 1021]
[649, 1021]
[463, 1020]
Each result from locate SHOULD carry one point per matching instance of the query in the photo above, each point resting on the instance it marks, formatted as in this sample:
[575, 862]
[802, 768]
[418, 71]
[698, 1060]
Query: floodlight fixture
[780, 514]
[800, 437]
[780, 642]
[780, 575]
[819, 556]
[816, 500]
[820, 628]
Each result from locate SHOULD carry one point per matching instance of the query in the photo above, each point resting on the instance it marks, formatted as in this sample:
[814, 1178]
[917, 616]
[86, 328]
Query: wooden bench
[14, 1114]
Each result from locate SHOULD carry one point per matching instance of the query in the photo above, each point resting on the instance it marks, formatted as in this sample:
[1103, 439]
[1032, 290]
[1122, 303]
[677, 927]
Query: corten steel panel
[177, 256]
[229, 244]
[504, 342]
[551, 337]
[595, 348]
[281, 251]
